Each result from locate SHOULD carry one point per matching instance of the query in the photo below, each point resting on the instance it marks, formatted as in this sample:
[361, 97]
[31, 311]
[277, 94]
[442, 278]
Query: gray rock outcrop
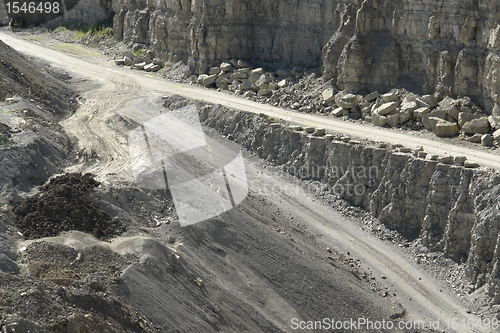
[425, 46]
[447, 203]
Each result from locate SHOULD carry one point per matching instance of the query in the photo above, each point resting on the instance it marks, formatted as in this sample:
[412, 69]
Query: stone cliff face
[83, 11]
[451, 209]
[88, 12]
[452, 47]
[204, 32]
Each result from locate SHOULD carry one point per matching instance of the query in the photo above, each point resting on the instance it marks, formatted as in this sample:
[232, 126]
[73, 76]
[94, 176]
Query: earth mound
[66, 203]
[24, 77]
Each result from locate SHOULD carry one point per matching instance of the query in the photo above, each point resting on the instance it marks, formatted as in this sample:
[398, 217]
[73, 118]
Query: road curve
[104, 152]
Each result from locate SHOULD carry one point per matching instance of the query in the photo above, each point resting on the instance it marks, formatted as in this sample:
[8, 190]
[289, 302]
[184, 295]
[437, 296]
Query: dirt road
[123, 81]
[104, 152]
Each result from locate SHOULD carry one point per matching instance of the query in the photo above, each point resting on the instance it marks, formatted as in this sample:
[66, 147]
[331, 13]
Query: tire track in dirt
[101, 150]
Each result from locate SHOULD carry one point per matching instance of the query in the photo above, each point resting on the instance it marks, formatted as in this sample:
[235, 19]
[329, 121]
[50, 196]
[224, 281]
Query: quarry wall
[84, 11]
[425, 46]
[452, 209]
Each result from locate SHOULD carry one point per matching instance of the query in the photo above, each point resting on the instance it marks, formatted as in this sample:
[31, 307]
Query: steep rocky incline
[452, 209]
[424, 46]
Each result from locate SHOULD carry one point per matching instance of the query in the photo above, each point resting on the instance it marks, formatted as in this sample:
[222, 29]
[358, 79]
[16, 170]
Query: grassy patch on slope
[97, 30]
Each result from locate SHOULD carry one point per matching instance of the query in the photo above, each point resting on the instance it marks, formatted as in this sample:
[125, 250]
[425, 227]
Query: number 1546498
[32, 7]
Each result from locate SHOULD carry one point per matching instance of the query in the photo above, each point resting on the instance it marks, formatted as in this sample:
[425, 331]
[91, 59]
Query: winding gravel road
[104, 152]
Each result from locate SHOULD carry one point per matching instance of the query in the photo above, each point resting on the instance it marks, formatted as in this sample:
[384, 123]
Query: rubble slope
[452, 209]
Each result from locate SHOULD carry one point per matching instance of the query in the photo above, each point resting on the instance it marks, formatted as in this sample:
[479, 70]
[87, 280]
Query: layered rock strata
[88, 12]
[452, 47]
[451, 208]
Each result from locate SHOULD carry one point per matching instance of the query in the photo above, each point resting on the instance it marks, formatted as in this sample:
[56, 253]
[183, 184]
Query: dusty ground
[251, 269]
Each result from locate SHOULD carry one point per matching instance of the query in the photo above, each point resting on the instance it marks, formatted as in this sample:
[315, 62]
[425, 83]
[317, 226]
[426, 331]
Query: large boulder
[273, 86]
[214, 70]
[387, 108]
[449, 105]
[432, 122]
[378, 119]
[453, 112]
[371, 96]
[254, 77]
[241, 73]
[445, 128]
[346, 101]
[201, 78]
[248, 85]
[496, 136]
[420, 112]
[127, 61]
[446, 103]
[328, 95]
[129, 54]
[438, 113]
[223, 81]
[428, 100]
[226, 67]
[481, 125]
[140, 66]
[209, 80]
[244, 64]
[283, 83]
[409, 107]
[487, 140]
[393, 120]
[259, 71]
[150, 54]
[152, 68]
[338, 112]
[390, 97]
[494, 122]
[405, 117]
[464, 117]
[263, 81]
[141, 59]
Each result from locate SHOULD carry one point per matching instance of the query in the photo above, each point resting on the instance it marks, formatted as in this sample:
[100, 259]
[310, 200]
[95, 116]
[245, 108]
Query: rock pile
[370, 44]
[295, 89]
[302, 91]
[146, 61]
[445, 117]
[239, 77]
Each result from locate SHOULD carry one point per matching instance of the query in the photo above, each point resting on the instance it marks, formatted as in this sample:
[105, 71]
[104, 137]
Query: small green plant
[139, 52]
[60, 29]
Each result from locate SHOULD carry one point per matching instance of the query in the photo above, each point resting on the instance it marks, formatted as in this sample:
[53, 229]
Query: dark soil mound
[65, 203]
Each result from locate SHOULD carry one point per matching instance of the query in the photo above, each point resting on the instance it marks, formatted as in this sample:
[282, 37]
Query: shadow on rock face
[36, 12]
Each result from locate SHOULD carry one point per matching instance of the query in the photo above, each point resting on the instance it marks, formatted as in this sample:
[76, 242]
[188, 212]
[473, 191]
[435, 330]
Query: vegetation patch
[81, 31]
